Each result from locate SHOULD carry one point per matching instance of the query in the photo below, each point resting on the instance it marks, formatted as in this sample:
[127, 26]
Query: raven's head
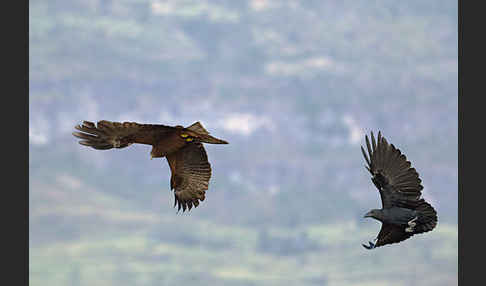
[375, 213]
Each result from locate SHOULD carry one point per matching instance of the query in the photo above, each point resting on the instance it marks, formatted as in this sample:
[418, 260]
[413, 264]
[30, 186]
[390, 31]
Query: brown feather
[120, 135]
[191, 165]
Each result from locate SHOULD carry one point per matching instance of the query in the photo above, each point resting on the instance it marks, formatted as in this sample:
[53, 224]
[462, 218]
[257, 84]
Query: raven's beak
[368, 214]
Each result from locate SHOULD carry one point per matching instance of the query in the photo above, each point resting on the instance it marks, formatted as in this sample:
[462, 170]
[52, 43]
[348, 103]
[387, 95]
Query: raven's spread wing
[191, 172]
[426, 221]
[107, 134]
[398, 183]
[390, 233]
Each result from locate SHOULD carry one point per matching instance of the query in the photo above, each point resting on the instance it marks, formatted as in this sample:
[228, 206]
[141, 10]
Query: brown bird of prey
[403, 213]
[182, 147]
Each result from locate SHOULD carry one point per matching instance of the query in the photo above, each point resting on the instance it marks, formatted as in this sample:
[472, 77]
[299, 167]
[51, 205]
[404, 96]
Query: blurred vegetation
[286, 201]
[122, 246]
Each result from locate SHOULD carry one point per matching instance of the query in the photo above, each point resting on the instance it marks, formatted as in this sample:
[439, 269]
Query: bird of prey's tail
[106, 134]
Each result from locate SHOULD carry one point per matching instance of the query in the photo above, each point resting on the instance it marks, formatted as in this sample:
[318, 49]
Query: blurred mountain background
[293, 86]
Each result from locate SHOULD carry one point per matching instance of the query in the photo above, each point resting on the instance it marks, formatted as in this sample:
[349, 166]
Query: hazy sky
[292, 85]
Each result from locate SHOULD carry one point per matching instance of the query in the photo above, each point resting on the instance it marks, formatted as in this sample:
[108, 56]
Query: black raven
[403, 213]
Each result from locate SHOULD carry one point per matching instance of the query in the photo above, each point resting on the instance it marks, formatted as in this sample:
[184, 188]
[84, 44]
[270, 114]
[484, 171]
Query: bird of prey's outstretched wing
[191, 172]
[107, 135]
[398, 183]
